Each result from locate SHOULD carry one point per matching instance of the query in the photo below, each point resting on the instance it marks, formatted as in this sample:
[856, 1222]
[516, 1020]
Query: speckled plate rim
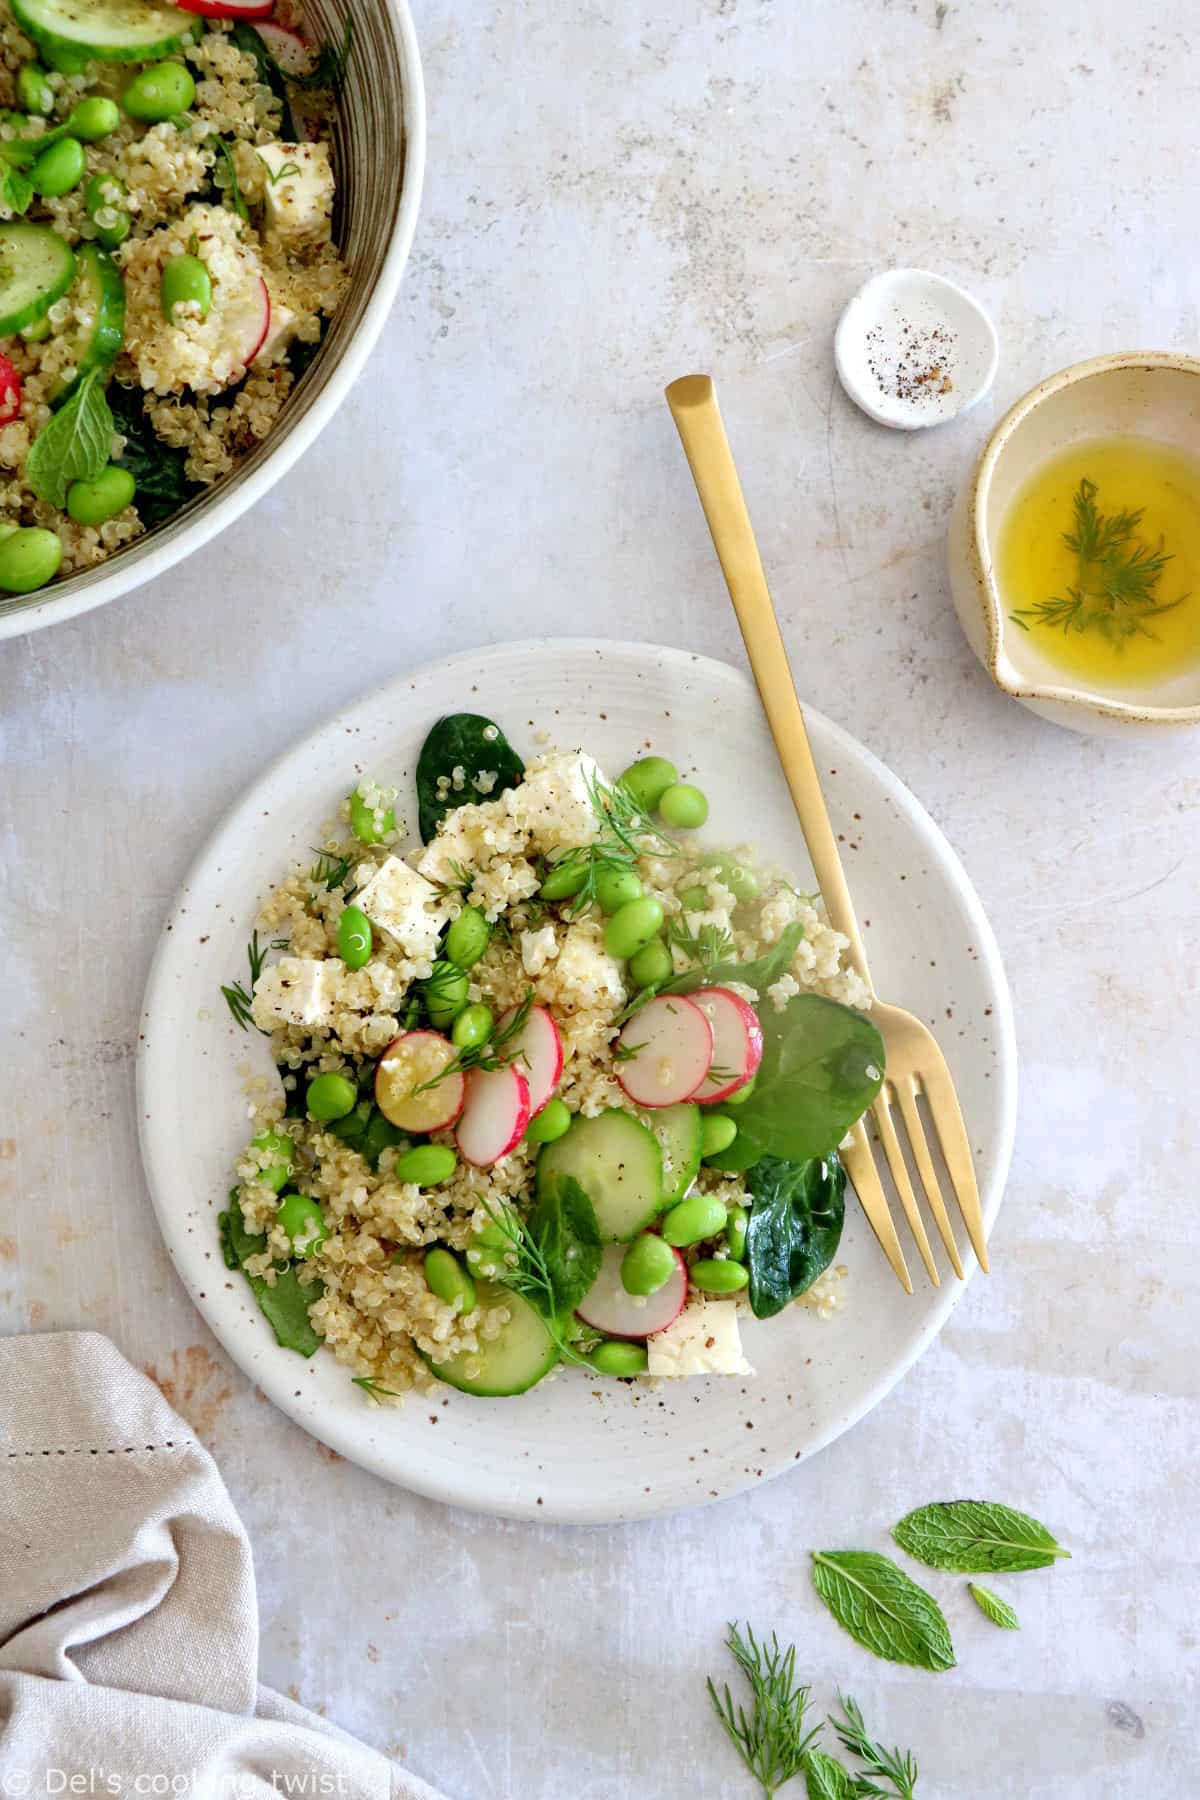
[346, 1429]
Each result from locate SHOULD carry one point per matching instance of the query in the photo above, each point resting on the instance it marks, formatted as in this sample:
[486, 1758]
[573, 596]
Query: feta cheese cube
[585, 975]
[403, 904]
[297, 990]
[537, 949]
[299, 192]
[280, 333]
[554, 801]
[703, 1340]
[451, 853]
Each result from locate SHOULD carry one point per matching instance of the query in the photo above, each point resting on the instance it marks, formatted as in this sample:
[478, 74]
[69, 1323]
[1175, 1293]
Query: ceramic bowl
[379, 137]
[1135, 394]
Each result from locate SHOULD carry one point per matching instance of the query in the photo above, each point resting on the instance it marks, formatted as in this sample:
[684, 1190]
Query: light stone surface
[621, 192]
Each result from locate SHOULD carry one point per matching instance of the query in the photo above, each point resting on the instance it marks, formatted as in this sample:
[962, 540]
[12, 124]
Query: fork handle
[694, 408]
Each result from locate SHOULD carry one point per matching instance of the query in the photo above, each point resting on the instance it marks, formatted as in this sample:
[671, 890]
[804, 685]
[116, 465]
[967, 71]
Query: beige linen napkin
[128, 1619]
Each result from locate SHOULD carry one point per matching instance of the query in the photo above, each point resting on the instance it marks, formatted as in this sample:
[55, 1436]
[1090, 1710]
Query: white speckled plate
[577, 1448]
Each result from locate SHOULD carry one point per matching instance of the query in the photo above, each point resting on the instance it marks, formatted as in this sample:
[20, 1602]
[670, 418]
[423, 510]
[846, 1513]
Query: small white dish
[574, 1449]
[913, 349]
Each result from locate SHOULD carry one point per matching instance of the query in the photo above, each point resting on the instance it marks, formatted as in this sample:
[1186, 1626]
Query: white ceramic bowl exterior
[578, 1448]
[380, 143]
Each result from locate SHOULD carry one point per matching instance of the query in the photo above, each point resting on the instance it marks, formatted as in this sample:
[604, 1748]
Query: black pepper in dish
[913, 362]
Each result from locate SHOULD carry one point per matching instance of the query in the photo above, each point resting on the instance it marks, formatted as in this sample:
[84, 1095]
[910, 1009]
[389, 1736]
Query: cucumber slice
[100, 288]
[36, 269]
[515, 1361]
[619, 1166]
[112, 30]
[678, 1130]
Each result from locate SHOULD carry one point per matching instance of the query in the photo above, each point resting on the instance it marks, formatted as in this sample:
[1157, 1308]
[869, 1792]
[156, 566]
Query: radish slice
[494, 1116]
[664, 1052]
[737, 1042]
[608, 1308]
[248, 318]
[228, 9]
[10, 392]
[537, 1050]
[286, 48]
[406, 1065]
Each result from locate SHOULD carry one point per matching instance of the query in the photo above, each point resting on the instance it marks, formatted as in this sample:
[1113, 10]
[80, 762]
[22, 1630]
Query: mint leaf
[976, 1537]
[564, 1230]
[825, 1779]
[879, 1606]
[75, 445]
[16, 191]
[285, 1304]
[996, 1609]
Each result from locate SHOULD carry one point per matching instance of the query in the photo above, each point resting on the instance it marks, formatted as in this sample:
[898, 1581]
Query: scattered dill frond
[485, 1056]
[238, 997]
[374, 1389]
[329, 870]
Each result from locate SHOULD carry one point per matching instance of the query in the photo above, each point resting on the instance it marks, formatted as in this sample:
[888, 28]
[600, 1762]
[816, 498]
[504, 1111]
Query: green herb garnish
[274, 175]
[234, 190]
[76, 443]
[483, 1056]
[771, 1739]
[879, 1764]
[1116, 583]
[976, 1537]
[330, 870]
[375, 1390]
[882, 1608]
[239, 998]
[993, 1607]
[553, 1259]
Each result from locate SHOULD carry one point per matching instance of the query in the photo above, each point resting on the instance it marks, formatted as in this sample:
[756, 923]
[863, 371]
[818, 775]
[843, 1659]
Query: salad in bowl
[557, 1084]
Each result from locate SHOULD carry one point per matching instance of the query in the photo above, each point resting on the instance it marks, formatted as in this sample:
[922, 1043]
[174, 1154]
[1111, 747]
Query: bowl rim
[133, 572]
[983, 568]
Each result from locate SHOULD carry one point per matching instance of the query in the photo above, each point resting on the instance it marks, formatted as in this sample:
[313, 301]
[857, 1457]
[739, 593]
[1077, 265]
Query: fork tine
[906, 1095]
[881, 1112]
[956, 1149]
[860, 1166]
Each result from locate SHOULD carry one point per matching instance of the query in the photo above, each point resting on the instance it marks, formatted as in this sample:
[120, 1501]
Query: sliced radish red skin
[537, 1050]
[494, 1115]
[440, 1105]
[228, 9]
[286, 48]
[668, 1048]
[10, 392]
[608, 1308]
[252, 317]
[737, 1042]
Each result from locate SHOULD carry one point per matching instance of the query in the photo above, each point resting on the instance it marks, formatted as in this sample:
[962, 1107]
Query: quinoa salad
[559, 1083]
[167, 261]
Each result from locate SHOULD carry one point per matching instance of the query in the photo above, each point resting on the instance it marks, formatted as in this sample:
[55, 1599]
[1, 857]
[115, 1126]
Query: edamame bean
[29, 558]
[716, 1134]
[615, 888]
[105, 196]
[38, 332]
[448, 1280]
[735, 1232]
[445, 994]
[473, 1026]
[95, 502]
[553, 1122]
[612, 1357]
[158, 92]
[426, 1165]
[694, 899]
[280, 1147]
[564, 880]
[698, 1217]
[58, 169]
[648, 780]
[33, 89]
[368, 823]
[683, 806]
[94, 118]
[647, 1265]
[304, 1223]
[186, 284]
[740, 1095]
[741, 881]
[717, 1276]
[652, 964]
[467, 938]
[330, 1096]
[354, 940]
[631, 928]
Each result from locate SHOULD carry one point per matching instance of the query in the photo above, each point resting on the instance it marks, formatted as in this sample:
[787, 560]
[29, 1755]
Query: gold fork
[915, 1065]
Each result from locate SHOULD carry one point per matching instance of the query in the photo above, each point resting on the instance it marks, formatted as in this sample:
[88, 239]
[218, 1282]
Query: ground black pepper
[913, 362]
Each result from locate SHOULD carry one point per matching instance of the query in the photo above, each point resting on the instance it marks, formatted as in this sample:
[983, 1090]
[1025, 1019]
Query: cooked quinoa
[375, 1309]
[180, 387]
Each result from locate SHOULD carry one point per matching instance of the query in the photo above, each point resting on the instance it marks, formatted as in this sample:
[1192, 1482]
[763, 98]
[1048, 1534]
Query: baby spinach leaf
[996, 1609]
[975, 1537]
[822, 1066]
[285, 1304]
[794, 1229]
[880, 1607]
[563, 1228]
[162, 485]
[825, 1779]
[75, 444]
[459, 742]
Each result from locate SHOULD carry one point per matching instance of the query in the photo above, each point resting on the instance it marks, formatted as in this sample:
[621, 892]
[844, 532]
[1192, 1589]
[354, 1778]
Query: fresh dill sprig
[528, 1274]
[463, 881]
[889, 1765]
[238, 998]
[374, 1389]
[1116, 586]
[483, 1056]
[330, 870]
[329, 67]
[771, 1739]
[626, 832]
[234, 190]
[708, 946]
